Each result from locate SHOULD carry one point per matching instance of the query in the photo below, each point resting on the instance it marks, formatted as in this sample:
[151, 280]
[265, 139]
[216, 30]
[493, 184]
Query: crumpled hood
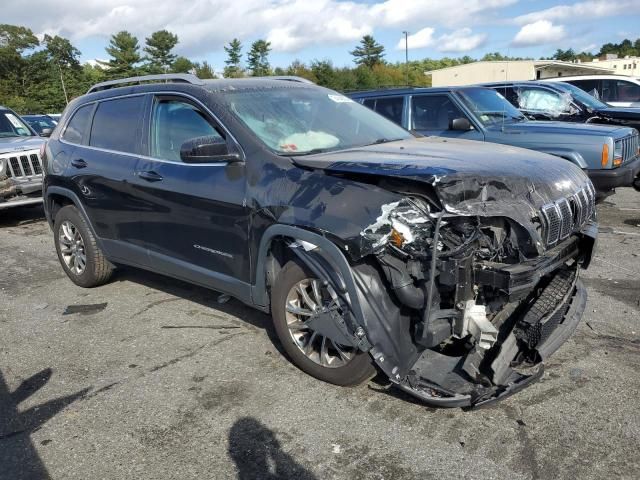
[622, 113]
[593, 132]
[18, 144]
[470, 178]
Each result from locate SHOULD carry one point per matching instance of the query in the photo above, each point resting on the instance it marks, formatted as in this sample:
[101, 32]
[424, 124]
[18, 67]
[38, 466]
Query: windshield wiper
[305, 152]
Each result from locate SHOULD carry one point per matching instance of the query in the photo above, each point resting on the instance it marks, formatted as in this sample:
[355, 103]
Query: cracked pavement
[148, 377]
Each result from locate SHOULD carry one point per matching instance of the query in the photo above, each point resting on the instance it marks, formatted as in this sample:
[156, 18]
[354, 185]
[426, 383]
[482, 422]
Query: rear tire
[80, 256]
[324, 360]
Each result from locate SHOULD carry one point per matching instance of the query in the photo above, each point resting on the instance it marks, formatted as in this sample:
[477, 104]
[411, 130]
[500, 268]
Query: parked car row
[615, 90]
[449, 265]
[606, 144]
[20, 162]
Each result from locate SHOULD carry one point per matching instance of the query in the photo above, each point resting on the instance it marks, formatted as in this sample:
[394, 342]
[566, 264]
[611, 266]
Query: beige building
[621, 66]
[496, 71]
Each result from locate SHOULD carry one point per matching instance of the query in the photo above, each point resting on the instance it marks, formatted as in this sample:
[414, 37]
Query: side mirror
[208, 149]
[46, 132]
[460, 124]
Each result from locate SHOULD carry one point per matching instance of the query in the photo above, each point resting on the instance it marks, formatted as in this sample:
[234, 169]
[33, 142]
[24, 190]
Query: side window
[433, 112]
[77, 126]
[369, 102]
[620, 91]
[172, 123]
[391, 108]
[116, 124]
[592, 87]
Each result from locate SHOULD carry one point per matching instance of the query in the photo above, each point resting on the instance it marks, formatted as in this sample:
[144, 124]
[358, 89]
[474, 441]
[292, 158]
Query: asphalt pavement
[151, 378]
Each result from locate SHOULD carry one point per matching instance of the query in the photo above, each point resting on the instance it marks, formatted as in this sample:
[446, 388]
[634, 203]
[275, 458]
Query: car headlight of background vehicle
[618, 153]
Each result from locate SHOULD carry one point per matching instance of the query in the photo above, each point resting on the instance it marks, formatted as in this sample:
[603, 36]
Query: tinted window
[78, 124]
[620, 91]
[175, 122]
[391, 108]
[592, 87]
[115, 124]
[434, 112]
[370, 102]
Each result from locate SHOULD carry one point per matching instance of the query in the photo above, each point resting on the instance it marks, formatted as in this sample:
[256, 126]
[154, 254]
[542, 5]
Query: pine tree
[125, 55]
[234, 57]
[158, 49]
[182, 65]
[368, 53]
[258, 58]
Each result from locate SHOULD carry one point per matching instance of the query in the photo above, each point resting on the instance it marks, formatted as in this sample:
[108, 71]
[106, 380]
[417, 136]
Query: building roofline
[536, 63]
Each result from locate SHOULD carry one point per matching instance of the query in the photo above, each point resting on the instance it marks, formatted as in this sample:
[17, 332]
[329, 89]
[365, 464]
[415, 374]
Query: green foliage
[159, 46]
[182, 65]
[233, 68]
[204, 70]
[125, 55]
[368, 53]
[35, 75]
[258, 58]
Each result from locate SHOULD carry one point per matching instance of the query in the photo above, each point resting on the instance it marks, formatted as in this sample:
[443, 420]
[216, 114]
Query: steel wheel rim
[304, 300]
[72, 248]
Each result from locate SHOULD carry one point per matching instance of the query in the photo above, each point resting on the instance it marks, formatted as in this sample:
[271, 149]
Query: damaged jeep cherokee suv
[450, 265]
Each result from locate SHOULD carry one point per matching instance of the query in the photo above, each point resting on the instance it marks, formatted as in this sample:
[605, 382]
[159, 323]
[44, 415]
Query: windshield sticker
[14, 121]
[340, 98]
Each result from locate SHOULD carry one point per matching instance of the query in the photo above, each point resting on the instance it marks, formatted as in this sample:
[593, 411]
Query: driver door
[195, 222]
[432, 114]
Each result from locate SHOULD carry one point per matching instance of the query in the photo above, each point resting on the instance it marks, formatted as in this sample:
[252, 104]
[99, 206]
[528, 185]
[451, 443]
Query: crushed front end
[486, 298]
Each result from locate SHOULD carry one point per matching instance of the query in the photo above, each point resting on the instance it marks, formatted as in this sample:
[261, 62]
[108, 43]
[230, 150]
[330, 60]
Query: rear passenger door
[101, 169]
[196, 224]
[432, 114]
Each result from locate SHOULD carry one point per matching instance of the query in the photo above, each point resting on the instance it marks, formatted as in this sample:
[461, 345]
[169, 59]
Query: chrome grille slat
[566, 218]
[629, 146]
[23, 164]
[567, 215]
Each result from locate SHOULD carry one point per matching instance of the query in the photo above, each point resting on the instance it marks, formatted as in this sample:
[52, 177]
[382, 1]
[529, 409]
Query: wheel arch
[56, 198]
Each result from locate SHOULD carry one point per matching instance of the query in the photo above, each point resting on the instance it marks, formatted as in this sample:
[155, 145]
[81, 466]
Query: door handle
[150, 176]
[78, 163]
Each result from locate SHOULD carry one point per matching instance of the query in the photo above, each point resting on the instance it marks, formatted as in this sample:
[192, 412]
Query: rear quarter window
[77, 126]
[116, 124]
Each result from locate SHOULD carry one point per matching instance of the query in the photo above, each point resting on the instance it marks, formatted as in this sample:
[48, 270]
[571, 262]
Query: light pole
[406, 56]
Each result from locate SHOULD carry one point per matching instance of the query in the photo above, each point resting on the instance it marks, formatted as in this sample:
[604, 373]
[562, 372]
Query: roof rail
[288, 78]
[165, 77]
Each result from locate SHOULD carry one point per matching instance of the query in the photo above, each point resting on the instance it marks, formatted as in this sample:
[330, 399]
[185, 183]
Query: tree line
[41, 76]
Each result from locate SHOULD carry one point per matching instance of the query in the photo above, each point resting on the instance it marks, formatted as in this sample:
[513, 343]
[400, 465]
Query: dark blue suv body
[367, 246]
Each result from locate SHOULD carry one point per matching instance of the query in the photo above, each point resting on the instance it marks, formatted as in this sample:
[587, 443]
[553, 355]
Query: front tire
[80, 256]
[295, 294]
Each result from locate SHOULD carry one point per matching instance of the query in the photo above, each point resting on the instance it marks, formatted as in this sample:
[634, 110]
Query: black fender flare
[383, 334]
[65, 192]
[332, 253]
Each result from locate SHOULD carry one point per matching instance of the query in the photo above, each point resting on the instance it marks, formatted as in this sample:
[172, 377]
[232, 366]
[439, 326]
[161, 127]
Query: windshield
[294, 121]
[489, 106]
[581, 96]
[39, 123]
[12, 126]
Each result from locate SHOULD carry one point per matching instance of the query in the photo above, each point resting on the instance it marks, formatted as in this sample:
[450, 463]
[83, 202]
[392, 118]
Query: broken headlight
[404, 224]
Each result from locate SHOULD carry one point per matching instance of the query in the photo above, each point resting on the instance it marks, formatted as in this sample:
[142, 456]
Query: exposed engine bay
[481, 308]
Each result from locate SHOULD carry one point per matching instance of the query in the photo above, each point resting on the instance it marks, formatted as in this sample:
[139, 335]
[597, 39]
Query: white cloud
[588, 9]
[420, 39]
[462, 40]
[540, 32]
[204, 26]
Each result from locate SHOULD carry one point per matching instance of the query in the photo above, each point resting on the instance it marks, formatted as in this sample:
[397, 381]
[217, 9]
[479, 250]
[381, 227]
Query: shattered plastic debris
[402, 216]
[223, 298]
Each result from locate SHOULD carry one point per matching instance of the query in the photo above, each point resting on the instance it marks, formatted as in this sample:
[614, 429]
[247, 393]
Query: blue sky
[329, 29]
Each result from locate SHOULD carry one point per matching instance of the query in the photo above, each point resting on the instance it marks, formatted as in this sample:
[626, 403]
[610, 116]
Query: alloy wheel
[304, 301]
[72, 248]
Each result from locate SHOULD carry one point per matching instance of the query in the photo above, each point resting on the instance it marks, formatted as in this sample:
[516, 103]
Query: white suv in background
[616, 90]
